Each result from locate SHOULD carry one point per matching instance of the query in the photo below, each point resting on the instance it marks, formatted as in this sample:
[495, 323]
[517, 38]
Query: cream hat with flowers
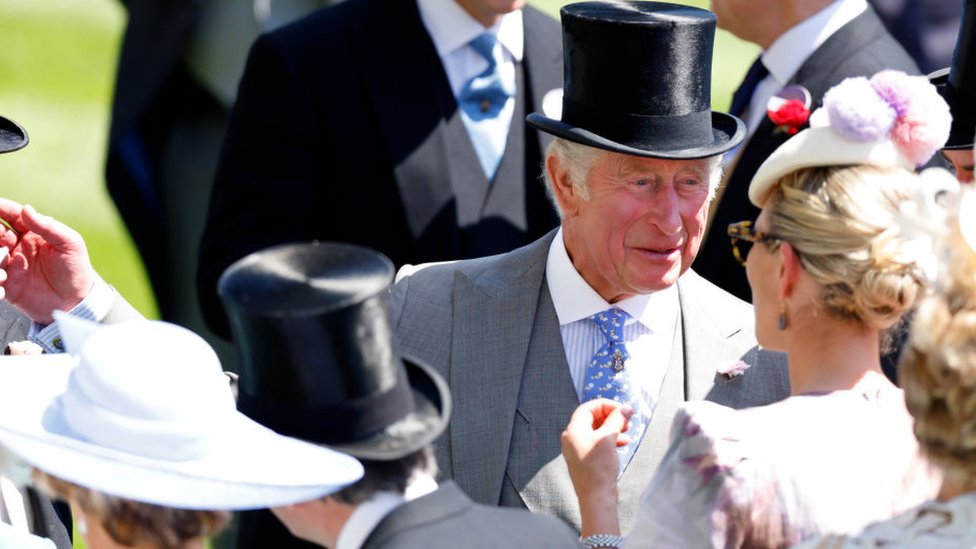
[142, 410]
[890, 120]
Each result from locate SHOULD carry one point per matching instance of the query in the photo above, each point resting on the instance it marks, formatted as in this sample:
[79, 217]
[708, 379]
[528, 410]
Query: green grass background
[57, 64]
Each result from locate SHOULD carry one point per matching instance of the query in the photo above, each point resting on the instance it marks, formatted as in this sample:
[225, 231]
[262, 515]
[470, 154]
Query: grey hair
[578, 159]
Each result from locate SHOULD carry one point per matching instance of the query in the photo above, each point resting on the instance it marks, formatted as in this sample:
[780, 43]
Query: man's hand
[590, 444]
[48, 268]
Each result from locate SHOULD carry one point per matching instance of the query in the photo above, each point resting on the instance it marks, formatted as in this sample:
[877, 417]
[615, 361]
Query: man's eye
[643, 182]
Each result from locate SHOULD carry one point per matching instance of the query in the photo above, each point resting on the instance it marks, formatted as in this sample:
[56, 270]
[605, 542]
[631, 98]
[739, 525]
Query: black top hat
[317, 355]
[12, 136]
[957, 83]
[637, 80]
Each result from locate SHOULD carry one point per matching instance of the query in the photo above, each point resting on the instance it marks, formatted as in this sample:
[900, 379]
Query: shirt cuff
[94, 307]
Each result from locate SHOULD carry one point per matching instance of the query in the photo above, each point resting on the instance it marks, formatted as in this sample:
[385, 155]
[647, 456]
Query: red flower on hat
[789, 116]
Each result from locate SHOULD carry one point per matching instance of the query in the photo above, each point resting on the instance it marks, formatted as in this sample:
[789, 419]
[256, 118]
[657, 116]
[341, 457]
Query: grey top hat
[637, 80]
[12, 135]
[318, 359]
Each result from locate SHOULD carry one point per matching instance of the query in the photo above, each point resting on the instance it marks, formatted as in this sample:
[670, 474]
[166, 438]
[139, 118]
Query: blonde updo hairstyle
[938, 367]
[842, 222]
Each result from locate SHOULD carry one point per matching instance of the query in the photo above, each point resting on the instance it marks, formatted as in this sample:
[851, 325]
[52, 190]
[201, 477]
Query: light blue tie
[607, 377]
[482, 99]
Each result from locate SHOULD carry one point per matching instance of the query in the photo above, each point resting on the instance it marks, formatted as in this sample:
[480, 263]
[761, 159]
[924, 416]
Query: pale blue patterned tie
[482, 99]
[607, 377]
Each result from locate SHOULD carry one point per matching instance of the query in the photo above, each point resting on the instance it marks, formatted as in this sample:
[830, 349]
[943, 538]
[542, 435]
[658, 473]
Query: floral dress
[932, 525]
[774, 475]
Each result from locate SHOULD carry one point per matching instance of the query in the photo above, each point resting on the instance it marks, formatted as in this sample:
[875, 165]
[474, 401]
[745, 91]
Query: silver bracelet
[609, 541]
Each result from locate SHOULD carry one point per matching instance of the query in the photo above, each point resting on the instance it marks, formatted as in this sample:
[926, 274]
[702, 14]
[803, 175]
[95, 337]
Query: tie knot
[611, 323]
[484, 44]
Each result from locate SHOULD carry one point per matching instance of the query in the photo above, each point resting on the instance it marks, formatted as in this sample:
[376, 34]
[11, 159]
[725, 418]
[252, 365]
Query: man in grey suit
[632, 170]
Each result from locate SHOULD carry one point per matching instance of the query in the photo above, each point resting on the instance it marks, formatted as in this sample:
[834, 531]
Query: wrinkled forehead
[624, 164]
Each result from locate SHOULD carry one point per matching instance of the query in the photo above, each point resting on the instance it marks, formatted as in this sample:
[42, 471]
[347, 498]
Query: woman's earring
[782, 318]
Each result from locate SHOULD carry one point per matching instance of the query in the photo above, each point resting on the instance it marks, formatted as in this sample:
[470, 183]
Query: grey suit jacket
[489, 326]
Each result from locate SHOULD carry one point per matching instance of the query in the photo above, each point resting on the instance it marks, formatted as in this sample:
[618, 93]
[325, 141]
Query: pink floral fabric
[775, 475]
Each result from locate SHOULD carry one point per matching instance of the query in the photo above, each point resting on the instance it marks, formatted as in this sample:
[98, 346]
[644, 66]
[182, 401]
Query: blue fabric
[606, 376]
[482, 98]
[743, 95]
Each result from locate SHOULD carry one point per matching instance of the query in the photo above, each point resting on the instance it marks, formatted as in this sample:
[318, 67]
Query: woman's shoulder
[704, 422]
[709, 440]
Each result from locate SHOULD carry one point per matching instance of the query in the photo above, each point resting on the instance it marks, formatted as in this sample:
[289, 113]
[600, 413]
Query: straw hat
[892, 120]
[142, 411]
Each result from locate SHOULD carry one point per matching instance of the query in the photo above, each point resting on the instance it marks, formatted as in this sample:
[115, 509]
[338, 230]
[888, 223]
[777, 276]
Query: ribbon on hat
[152, 436]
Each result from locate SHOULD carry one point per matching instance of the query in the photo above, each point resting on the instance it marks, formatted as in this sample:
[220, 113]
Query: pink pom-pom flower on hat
[889, 120]
[891, 105]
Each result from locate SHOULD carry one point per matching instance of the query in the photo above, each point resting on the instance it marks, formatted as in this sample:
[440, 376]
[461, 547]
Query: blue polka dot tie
[606, 376]
[482, 99]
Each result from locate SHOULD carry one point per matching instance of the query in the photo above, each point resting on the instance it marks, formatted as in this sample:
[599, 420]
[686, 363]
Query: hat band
[337, 423]
[155, 438]
[642, 131]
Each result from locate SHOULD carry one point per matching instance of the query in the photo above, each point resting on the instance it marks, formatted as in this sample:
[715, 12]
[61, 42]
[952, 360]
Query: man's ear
[789, 270]
[566, 194]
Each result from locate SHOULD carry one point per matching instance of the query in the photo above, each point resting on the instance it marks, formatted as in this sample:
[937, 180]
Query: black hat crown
[637, 80]
[318, 360]
[957, 83]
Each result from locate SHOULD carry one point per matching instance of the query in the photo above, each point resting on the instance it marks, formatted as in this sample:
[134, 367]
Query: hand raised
[589, 446]
[48, 268]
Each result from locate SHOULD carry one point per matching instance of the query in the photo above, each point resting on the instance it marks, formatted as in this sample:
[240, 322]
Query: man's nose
[664, 212]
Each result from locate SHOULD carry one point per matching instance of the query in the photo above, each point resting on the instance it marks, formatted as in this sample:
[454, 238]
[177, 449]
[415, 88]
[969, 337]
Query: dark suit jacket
[346, 129]
[448, 518]
[860, 48]
[151, 90]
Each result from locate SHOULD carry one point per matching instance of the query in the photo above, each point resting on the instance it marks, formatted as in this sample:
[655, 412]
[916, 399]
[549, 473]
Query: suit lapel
[548, 397]
[492, 325]
[817, 73]
[707, 334]
[413, 101]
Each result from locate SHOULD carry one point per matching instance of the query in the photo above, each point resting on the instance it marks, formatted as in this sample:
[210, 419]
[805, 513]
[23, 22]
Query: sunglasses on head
[743, 235]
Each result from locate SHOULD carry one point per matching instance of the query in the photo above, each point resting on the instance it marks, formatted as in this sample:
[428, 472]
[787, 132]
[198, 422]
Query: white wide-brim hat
[142, 411]
[891, 120]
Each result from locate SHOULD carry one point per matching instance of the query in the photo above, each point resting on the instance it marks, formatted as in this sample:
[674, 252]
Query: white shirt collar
[450, 27]
[371, 512]
[574, 299]
[787, 54]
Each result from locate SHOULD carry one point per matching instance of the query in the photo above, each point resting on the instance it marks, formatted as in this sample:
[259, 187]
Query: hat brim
[12, 136]
[727, 132]
[962, 133]
[247, 467]
[820, 146]
[415, 431]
